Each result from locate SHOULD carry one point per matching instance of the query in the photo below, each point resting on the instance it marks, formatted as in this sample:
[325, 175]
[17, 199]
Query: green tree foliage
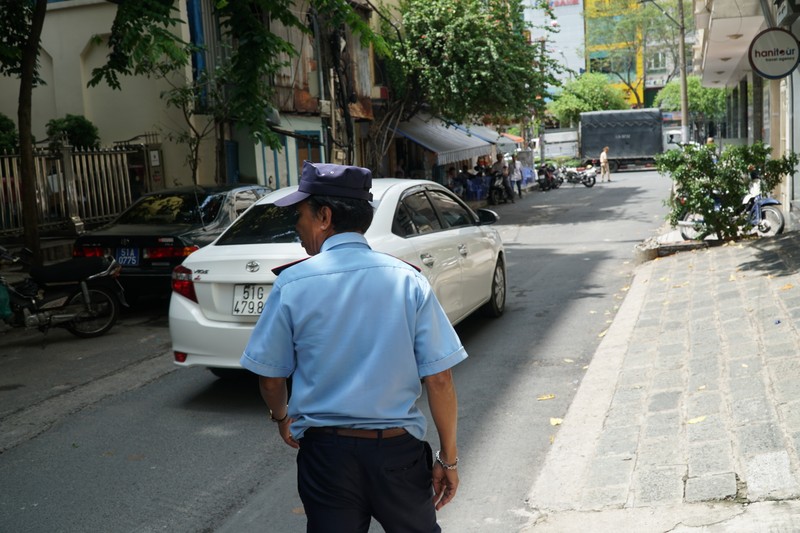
[619, 32]
[9, 138]
[80, 131]
[469, 58]
[703, 101]
[143, 41]
[22, 23]
[698, 171]
[143, 34]
[615, 38]
[588, 92]
[15, 17]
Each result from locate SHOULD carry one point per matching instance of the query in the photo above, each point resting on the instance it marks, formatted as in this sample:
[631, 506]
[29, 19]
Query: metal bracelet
[445, 465]
[278, 420]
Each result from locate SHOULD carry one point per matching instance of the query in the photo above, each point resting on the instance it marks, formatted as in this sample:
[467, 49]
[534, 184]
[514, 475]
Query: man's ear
[325, 217]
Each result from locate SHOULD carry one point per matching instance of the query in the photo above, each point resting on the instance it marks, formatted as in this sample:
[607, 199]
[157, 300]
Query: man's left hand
[445, 484]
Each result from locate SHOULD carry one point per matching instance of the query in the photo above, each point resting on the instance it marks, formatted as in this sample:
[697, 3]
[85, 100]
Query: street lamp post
[682, 58]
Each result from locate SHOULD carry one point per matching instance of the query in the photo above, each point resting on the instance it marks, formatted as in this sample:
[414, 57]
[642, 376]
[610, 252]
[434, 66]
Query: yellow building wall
[592, 11]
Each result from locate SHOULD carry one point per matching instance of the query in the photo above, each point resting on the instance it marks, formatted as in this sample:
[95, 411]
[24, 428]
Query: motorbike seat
[71, 270]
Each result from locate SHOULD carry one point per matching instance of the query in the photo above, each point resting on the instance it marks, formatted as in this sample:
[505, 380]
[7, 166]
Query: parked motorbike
[498, 193]
[586, 177]
[763, 215]
[546, 177]
[81, 295]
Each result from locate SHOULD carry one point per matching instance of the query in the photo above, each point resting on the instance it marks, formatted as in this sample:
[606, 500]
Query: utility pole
[682, 58]
[684, 91]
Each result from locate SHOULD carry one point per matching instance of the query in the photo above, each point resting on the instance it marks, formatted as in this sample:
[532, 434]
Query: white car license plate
[249, 299]
[128, 256]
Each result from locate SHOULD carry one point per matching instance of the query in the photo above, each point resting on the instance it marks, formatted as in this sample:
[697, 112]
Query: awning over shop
[450, 144]
[504, 144]
[514, 138]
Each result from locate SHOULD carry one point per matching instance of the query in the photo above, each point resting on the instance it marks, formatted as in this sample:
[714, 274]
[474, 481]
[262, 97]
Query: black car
[158, 231]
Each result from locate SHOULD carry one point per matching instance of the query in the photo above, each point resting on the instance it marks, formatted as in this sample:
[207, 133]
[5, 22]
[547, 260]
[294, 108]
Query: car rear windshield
[172, 208]
[263, 223]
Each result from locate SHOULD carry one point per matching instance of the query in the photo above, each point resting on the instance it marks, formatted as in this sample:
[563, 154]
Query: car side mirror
[487, 216]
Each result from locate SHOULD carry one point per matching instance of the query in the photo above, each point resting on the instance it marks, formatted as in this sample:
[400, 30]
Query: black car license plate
[128, 256]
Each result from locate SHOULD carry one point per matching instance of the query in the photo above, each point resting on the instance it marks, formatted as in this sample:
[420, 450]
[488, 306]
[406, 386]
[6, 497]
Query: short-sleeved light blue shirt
[356, 330]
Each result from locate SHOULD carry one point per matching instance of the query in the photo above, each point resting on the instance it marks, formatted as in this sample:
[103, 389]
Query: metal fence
[73, 188]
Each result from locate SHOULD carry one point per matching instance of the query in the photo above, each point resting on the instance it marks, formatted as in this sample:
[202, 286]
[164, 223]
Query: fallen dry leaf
[556, 421]
[696, 420]
[787, 287]
[732, 277]
[603, 334]
[546, 397]
[568, 361]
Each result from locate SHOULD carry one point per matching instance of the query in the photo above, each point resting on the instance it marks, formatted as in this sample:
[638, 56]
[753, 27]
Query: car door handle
[462, 249]
[427, 259]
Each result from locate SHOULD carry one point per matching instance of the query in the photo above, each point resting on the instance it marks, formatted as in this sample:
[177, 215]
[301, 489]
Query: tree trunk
[381, 133]
[30, 53]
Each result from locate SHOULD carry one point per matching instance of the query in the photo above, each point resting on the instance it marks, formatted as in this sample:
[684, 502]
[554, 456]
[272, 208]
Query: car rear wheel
[497, 302]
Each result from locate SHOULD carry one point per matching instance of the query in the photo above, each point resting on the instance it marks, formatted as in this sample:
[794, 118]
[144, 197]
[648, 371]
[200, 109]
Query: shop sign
[774, 53]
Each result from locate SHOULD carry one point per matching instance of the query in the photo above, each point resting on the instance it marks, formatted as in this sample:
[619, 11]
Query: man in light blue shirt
[359, 332]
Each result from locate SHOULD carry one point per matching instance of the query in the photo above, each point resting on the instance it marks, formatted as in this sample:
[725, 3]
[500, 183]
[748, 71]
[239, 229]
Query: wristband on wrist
[445, 465]
[278, 420]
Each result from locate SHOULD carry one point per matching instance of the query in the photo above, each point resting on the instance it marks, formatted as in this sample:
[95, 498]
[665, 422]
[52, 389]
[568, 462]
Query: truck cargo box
[633, 136]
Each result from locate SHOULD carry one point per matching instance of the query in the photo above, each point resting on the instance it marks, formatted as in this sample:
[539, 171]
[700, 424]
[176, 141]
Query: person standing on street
[515, 174]
[360, 332]
[605, 170]
[497, 166]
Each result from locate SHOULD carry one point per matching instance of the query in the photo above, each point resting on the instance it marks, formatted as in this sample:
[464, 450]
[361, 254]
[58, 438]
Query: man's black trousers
[344, 481]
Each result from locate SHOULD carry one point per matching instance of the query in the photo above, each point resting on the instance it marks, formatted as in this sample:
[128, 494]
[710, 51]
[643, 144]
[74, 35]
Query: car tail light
[180, 357]
[168, 252]
[90, 251]
[182, 282]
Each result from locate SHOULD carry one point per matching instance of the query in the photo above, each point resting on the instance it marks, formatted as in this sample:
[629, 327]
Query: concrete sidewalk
[688, 418]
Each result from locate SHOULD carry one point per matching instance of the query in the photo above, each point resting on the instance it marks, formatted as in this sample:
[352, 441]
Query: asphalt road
[107, 435]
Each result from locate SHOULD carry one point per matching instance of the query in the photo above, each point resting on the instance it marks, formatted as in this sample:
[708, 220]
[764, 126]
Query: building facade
[565, 45]
[614, 49]
[759, 108]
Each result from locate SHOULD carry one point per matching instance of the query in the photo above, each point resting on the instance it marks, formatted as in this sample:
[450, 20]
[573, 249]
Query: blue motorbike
[763, 216]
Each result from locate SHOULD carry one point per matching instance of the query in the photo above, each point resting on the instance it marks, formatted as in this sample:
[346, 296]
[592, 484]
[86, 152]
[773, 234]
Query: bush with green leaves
[80, 131]
[9, 138]
[703, 173]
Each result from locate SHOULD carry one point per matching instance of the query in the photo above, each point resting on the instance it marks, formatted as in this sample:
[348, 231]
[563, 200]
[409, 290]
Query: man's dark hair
[347, 214]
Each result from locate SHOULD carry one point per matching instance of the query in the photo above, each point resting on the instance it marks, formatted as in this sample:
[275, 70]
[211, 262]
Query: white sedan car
[220, 290]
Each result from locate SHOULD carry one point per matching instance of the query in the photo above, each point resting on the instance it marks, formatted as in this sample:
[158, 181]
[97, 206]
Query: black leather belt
[387, 433]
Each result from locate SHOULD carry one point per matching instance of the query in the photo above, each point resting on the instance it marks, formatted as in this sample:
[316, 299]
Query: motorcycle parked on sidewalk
[498, 192]
[762, 214]
[546, 177]
[586, 177]
[81, 295]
